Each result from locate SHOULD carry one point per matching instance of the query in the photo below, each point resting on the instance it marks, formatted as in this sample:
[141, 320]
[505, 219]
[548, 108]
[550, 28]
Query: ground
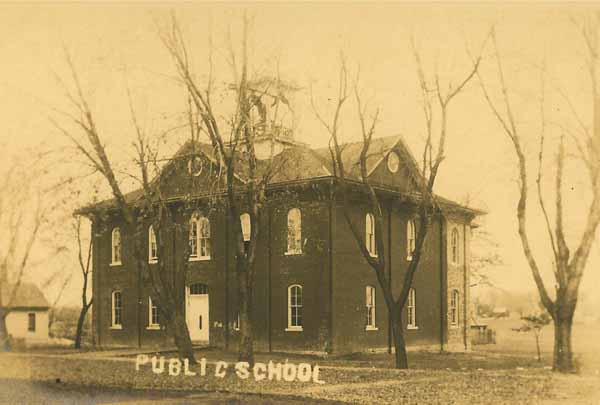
[506, 372]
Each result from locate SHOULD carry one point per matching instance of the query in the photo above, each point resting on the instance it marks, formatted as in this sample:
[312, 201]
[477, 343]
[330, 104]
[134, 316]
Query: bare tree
[85, 262]
[434, 98]
[246, 172]
[567, 265]
[168, 283]
[21, 219]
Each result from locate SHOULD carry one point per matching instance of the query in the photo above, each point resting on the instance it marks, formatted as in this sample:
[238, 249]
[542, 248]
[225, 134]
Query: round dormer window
[393, 162]
[195, 166]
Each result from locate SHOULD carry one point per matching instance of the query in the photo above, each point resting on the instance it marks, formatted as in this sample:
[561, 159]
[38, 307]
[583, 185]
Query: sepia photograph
[299, 202]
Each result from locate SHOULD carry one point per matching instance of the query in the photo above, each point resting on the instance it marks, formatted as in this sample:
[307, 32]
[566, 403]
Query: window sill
[152, 261]
[294, 253]
[153, 327]
[411, 327]
[116, 327]
[294, 329]
[115, 264]
[454, 325]
[199, 259]
[369, 328]
[409, 258]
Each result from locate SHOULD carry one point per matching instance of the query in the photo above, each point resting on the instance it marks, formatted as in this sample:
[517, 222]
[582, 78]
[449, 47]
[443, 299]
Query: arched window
[294, 307]
[370, 234]
[116, 306]
[153, 315]
[199, 238]
[246, 230]
[116, 247]
[454, 307]
[152, 246]
[370, 307]
[455, 246]
[411, 305]
[410, 239]
[294, 234]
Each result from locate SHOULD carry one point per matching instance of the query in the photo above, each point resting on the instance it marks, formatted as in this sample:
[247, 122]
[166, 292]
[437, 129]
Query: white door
[197, 312]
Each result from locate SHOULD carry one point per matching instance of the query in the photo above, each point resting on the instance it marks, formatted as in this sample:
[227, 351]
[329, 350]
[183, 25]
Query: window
[411, 305]
[370, 307]
[31, 322]
[294, 224]
[236, 322]
[370, 234]
[153, 315]
[410, 239]
[294, 308]
[246, 230]
[455, 246]
[454, 305]
[393, 162]
[116, 310]
[152, 246]
[116, 247]
[199, 238]
[198, 289]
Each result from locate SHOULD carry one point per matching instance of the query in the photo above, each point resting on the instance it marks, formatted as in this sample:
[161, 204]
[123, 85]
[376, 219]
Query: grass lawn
[476, 377]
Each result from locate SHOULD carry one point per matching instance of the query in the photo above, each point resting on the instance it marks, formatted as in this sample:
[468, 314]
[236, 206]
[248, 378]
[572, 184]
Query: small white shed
[28, 316]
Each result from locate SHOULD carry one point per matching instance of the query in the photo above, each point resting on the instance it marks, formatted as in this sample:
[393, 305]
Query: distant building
[314, 290]
[28, 313]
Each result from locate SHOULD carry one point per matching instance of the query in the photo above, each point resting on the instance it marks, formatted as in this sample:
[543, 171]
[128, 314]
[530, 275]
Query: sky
[116, 47]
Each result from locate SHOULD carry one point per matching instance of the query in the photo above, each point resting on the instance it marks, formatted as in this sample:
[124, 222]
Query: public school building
[314, 291]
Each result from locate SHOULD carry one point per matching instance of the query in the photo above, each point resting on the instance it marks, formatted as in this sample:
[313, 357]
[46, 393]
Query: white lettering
[161, 365]
[186, 368]
[304, 372]
[141, 359]
[289, 372]
[220, 365]
[241, 369]
[274, 370]
[174, 367]
[260, 367]
[316, 376]
[203, 367]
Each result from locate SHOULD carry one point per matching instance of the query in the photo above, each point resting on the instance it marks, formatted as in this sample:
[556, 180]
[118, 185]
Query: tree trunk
[182, 339]
[4, 337]
[80, 321]
[537, 346]
[399, 343]
[246, 347]
[563, 354]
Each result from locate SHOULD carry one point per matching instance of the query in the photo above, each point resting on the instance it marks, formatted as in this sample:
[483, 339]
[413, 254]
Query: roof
[301, 163]
[28, 296]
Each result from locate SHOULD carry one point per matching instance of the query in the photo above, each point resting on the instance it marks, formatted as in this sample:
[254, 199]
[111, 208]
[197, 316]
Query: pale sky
[116, 46]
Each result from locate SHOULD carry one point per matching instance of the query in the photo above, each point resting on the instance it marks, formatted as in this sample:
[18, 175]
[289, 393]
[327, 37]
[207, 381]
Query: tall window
[294, 307]
[455, 246]
[246, 230]
[153, 315]
[116, 247]
[152, 246]
[454, 305]
[117, 306]
[410, 239]
[370, 307]
[294, 235]
[199, 238]
[370, 234]
[31, 322]
[411, 305]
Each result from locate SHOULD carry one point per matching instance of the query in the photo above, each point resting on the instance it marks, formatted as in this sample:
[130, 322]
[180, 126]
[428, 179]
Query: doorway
[197, 312]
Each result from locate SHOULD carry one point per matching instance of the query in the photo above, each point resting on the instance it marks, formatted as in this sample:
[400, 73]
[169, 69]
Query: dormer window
[393, 162]
[195, 167]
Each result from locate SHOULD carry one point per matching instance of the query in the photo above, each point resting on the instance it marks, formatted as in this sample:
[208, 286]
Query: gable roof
[28, 296]
[299, 162]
